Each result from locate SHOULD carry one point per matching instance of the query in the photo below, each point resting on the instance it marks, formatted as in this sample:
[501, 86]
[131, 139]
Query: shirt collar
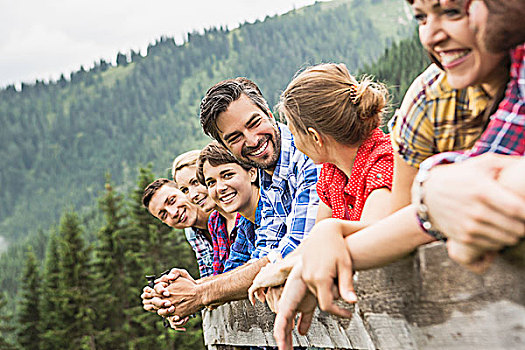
[518, 68]
[282, 168]
[478, 99]
[363, 152]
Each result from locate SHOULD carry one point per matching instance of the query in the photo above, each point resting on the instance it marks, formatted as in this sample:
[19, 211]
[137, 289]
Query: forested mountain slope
[59, 139]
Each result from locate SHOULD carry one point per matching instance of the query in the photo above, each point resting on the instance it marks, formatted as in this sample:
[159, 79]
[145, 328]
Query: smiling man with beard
[234, 113]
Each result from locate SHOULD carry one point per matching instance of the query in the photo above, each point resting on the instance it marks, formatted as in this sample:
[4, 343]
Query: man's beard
[271, 161]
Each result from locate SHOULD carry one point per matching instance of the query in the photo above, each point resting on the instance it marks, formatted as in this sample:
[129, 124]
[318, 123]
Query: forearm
[404, 175]
[232, 285]
[387, 240]
[344, 227]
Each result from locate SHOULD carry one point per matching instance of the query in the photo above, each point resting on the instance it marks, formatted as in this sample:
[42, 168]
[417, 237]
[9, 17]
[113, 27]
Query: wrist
[203, 294]
[422, 210]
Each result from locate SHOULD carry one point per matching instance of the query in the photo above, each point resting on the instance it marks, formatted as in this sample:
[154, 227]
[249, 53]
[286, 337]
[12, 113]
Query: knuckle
[468, 228]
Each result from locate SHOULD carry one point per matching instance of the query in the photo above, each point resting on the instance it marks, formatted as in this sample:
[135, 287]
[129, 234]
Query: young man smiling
[167, 203]
[235, 113]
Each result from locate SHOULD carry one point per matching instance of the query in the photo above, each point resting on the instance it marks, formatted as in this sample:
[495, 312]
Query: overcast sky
[40, 39]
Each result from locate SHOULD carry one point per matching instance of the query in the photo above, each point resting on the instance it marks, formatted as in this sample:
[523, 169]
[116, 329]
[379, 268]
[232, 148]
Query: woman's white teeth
[449, 57]
[228, 197]
[182, 216]
[260, 149]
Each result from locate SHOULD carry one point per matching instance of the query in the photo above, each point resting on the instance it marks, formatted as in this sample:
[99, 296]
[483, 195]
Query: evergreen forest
[77, 152]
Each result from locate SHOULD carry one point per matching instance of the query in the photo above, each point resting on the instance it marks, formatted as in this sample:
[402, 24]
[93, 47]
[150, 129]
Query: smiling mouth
[453, 58]
[201, 202]
[182, 217]
[227, 198]
[260, 150]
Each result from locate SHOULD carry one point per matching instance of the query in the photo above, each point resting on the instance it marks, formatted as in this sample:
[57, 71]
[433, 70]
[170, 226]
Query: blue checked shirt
[288, 202]
[243, 245]
[203, 250]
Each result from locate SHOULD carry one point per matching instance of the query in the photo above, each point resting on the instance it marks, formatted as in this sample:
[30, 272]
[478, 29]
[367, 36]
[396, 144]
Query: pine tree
[50, 297]
[110, 280]
[28, 312]
[5, 327]
[76, 318]
[140, 234]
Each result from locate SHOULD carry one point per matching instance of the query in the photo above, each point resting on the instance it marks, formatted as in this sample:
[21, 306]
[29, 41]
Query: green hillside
[59, 139]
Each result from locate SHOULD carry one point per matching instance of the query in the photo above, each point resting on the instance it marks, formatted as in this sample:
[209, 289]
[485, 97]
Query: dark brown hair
[215, 154]
[153, 187]
[505, 26]
[329, 99]
[219, 97]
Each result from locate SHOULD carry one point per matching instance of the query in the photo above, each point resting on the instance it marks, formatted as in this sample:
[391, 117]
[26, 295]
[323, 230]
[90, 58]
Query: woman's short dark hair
[216, 154]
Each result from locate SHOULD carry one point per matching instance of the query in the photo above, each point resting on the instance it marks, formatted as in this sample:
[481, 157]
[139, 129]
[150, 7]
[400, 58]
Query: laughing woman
[447, 107]
[234, 188]
[184, 172]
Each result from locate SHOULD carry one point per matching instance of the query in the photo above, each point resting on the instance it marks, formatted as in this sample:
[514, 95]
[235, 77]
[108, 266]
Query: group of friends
[285, 213]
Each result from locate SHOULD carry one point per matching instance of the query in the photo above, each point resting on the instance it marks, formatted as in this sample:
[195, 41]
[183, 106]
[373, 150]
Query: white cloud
[42, 39]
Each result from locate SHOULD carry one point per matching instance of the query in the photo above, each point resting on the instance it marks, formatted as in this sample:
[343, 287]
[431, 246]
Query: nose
[193, 194]
[221, 186]
[432, 32]
[251, 138]
[172, 211]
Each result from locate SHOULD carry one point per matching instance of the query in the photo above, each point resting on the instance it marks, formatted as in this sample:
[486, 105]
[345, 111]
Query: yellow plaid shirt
[435, 118]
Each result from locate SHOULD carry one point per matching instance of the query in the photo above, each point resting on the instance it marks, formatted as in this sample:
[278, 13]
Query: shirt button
[379, 176]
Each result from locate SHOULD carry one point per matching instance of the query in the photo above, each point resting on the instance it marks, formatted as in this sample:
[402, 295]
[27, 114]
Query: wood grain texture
[424, 301]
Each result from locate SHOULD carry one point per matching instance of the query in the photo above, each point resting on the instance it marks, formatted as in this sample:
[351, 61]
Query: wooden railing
[424, 301]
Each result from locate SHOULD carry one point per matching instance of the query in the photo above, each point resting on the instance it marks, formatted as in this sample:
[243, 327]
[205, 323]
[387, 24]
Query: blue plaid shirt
[243, 245]
[289, 200]
[203, 250]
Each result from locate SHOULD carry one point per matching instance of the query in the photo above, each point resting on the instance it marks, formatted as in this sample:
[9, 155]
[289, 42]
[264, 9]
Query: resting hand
[273, 295]
[295, 298]
[185, 298]
[151, 300]
[271, 275]
[177, 323]
[332, 264]
[471, 258]
[468, 205]
[152, 297]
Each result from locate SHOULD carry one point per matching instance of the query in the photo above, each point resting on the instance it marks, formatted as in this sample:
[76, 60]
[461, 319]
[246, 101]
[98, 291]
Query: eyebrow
[227, 170]
[236, 132]
[167, 199]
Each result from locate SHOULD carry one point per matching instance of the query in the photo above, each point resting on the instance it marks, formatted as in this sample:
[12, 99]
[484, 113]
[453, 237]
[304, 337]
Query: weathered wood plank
[424, 301]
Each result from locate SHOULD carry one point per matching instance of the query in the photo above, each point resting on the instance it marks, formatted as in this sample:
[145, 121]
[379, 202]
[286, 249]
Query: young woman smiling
[234, 188]
[446, 107]
[184, 172]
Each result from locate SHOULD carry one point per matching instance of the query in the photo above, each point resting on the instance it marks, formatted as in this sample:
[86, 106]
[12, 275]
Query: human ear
[253, 174]
[315, 136]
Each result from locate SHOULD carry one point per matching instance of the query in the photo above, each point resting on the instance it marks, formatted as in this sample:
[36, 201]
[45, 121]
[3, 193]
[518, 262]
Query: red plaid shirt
[373, 169]
[222, 240]
[505, 133]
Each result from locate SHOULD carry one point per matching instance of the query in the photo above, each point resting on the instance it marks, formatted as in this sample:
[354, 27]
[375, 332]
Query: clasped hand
[174, 294]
